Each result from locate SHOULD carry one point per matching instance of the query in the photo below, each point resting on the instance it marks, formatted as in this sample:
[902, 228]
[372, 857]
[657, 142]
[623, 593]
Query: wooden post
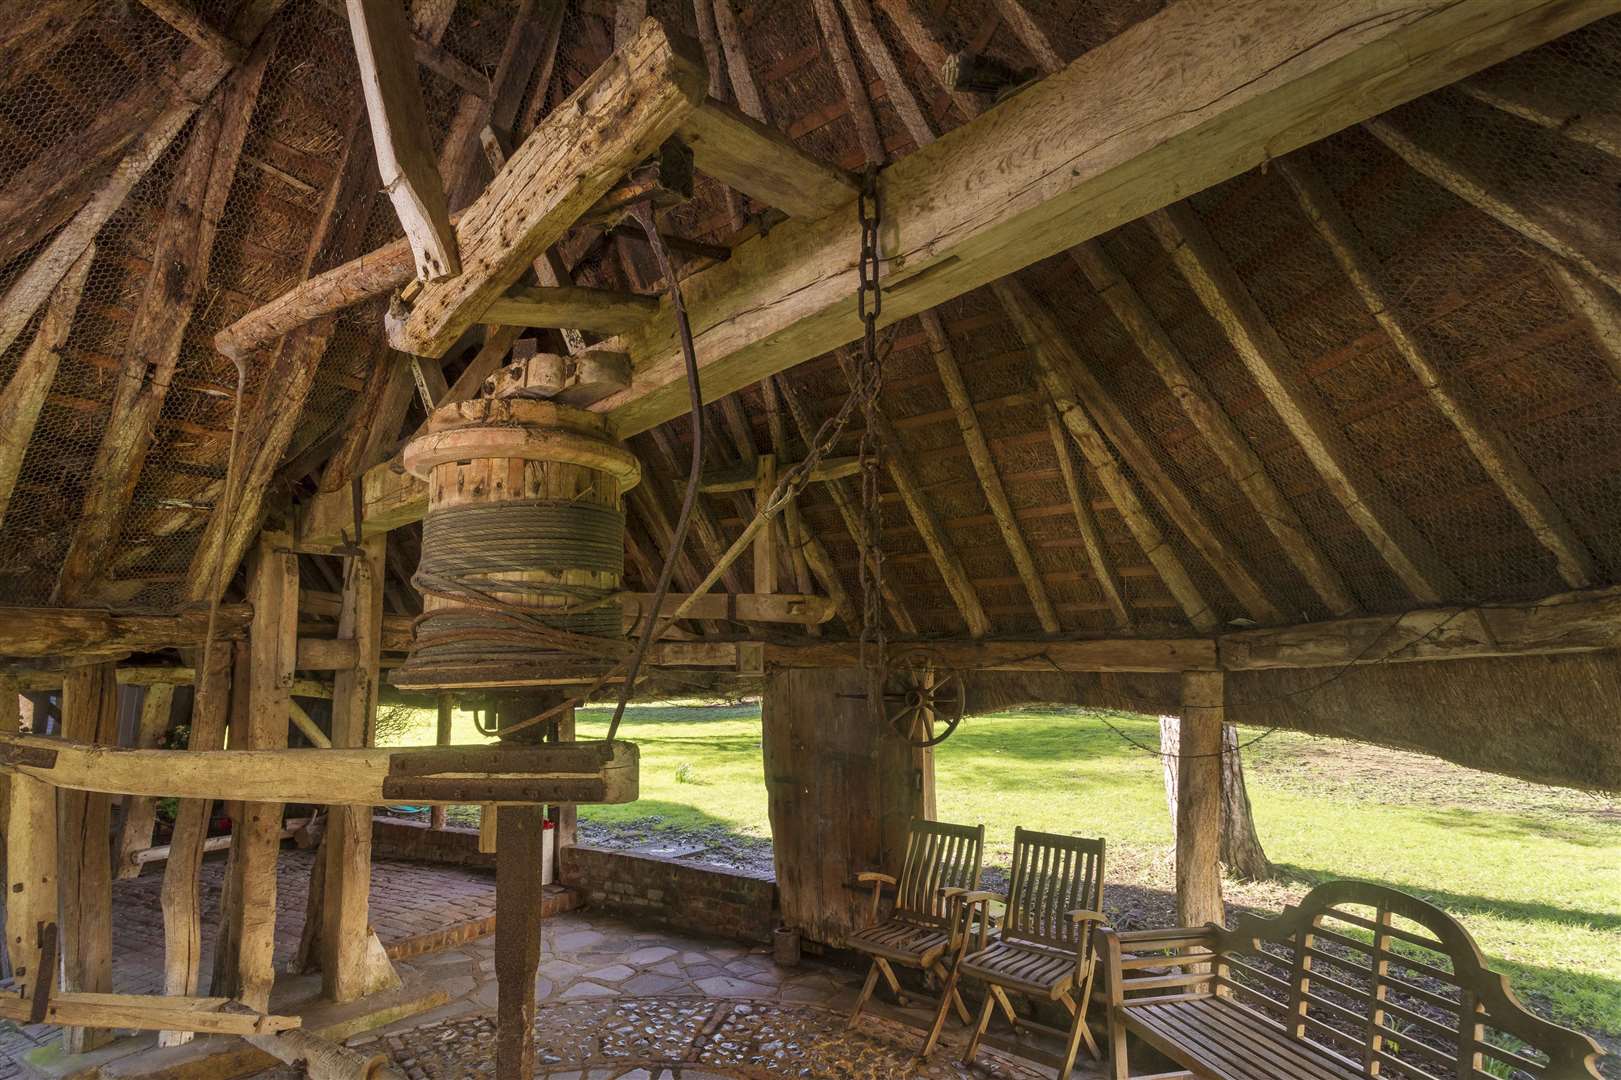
[447, 714]
[565, 817]
[765, 544]
[89, 714]
[140, 812]
[31, 879]
[182, 913]
[347, 968]
[1198, 800]
[250, 905]
[517, 906]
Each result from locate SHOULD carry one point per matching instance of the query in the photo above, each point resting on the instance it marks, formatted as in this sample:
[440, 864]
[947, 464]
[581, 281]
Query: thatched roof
[1518, 334]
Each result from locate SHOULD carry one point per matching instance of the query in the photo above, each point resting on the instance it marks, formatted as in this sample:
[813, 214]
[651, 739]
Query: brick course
[686, 895]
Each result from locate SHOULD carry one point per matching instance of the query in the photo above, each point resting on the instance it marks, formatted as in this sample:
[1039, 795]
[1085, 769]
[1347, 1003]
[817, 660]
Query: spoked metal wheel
[923, 698]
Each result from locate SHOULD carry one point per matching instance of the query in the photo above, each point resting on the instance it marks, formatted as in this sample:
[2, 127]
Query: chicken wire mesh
[1483, 298]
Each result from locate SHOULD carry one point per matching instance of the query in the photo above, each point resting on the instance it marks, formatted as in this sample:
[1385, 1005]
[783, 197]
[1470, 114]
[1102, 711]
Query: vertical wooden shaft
[31, 878]
[84, 819]
[1198, 801]
[565, 818]
[226, 976]
[182, 912]
[447, 713]
[140, 812]
[518, 907]
[273, 646]
[346, 973]
[765, 544]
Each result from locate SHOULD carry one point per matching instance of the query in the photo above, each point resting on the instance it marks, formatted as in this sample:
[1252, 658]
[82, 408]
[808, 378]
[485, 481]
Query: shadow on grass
[1461, 905]
[1511, 826]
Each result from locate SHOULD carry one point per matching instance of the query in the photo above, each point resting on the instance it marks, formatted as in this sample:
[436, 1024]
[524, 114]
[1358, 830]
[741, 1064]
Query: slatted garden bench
[1356, 980]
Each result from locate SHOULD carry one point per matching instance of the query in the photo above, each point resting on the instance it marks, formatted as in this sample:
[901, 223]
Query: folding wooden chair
[1045, 946]
[942, 866]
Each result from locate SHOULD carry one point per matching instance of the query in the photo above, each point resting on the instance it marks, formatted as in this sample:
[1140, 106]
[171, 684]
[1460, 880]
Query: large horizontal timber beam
[1065, 160]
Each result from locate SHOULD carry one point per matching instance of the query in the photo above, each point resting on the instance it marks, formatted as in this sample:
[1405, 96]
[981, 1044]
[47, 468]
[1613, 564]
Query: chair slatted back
[1408, 1000]
[1052, 876]
[938, 856]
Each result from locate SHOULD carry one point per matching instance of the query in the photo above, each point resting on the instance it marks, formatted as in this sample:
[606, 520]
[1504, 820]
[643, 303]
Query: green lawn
[1533, 872]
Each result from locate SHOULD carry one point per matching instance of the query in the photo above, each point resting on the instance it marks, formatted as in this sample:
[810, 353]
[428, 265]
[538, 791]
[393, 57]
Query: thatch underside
[1484, 425]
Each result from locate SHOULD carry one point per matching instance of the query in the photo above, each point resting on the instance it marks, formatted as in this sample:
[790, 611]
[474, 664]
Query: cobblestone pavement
[406, 899]
[624, 1000]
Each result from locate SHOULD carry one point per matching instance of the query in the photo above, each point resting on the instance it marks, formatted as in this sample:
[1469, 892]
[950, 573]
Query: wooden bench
[1356, 980]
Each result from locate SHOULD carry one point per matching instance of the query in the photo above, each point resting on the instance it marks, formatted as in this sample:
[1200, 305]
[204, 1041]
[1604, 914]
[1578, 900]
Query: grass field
[1533, 872]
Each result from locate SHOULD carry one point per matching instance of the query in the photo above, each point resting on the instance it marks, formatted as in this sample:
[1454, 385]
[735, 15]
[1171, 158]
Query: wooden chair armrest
[981, 896]
[1165, 933]
[1113, 976]
[873, 876]
[1087, 915]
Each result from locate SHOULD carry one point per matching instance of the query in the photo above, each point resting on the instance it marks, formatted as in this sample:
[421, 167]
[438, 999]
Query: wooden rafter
[990, 480]
[180, 264]
[1219, 431]
[1597, 304]
[850, 78]
[849, 512]
[744, 87]
[1489, 446]
[1597, 130]
[1053, 363]
[25, 392]
[1224, 295]
[946, 560]
[1576, 237]
[1086, 525]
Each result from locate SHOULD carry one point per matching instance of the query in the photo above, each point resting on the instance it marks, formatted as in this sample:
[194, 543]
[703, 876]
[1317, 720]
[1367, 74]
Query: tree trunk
[1241, 850]
[1240, 846]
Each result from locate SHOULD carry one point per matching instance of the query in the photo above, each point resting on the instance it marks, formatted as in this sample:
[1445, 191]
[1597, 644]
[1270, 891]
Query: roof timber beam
[990, 480]
[621, 114]
[1063, 161]
[1598, 305]
[1490, 448]
[1086, 524]
[1223, 293]
[1052, 357]
[1067, 159]
[180, 263]
[1218, 429]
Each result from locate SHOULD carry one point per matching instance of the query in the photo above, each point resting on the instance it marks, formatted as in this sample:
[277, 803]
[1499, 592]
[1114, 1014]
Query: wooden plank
[837, 47]
[139, 815]
[1198, 800]
[182, 906]
[84, 819]
[746, 155]
[31, 881]
[326, 654]
[1596, 303]
[429, 379]
[744, 87]
[518, 863]
[1217, 428]
[347, 972]
[30, 383]
[1575, 236]
[1103, 654]
[335, 777]
[990, 480]
[1068, 158]
[401, 136]
[874, 48]
[1086, 524]
[730, 478]
[1596, 129]
[765, 541]
[941, 549]
[1224, 295]
[1489, 446]
[145, 1012]
[80, 632]
[601, 311]
[442, 737]
[1054, 365]
[618, 116]
[737, 607]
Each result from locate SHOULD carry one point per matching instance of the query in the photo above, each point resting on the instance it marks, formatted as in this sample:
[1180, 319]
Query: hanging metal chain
[869, 385]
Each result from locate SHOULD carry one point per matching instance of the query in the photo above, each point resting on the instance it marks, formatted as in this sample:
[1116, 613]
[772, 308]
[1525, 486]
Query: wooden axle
[590, 772]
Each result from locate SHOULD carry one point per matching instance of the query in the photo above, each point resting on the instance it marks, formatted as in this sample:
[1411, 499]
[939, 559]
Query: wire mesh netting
[1489, 306]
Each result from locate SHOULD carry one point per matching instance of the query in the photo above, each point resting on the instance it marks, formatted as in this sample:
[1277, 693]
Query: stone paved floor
[620, 999]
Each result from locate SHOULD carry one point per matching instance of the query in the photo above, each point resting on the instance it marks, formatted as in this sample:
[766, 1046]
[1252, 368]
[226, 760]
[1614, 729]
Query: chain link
[869, 385]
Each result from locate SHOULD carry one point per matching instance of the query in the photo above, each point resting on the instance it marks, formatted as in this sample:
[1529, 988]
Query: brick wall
[396, 838]
[685, 895]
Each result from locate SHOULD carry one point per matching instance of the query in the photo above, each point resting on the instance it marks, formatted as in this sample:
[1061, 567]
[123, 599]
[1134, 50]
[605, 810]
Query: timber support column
[89, 714]
[518, 897]
[1198, 800]
[351, 967]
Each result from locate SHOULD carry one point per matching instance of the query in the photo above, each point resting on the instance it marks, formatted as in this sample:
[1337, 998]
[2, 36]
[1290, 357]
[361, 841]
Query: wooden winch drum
[525, 526]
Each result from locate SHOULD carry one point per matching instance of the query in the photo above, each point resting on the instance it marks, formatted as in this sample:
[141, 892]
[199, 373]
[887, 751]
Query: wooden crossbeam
[1086, 524]
[579, 772]
[601, 311]
[621, 114]
[1490, 447]
[1224, 295]
[83, 631]
[1063, 161]
[741, 477]
[746, 155]
[1069, 158]
[149, 1012]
